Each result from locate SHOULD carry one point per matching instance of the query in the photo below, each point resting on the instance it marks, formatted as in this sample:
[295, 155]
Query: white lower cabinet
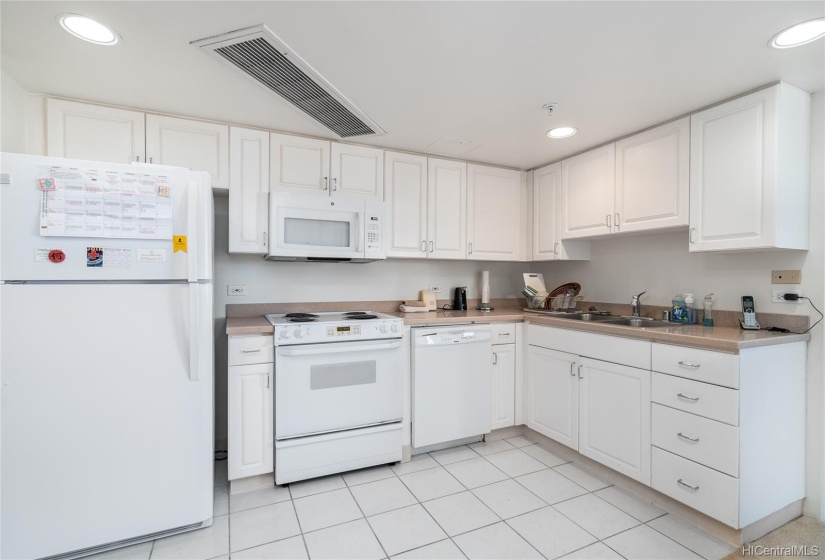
[553, 395]
[504, 386]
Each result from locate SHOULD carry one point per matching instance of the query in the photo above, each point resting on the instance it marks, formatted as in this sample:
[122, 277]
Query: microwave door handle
[335, 348]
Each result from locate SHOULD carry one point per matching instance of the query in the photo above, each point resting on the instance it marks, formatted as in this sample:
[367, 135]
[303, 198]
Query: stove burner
[302, 320]
[350, 313]
[362, 317]
[300, 315]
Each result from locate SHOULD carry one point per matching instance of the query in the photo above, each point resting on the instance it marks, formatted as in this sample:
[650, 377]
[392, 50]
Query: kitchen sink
[591, 317]
[639, 322]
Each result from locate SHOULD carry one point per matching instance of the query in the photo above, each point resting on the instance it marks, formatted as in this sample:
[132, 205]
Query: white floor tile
[690, 537]
[460, 513]
[254, 527]
[453, 455]
[520, 441]
[475, 472]
[630, 504]
[327, 509]
[258, 498]
[643, 543]
[442, 550]
[490, 447]
[431, 484]
[350, 541]
[221, 469]
[596, 516]
[371, 474]
[403, 529]
[287, 549]
[316, 486]
[596, 551]
[546, 457]
[582, 477]
[220, 501]
[135, 552]
[496, 542]
[508, 498]
[515, 462]
[550, 486]
[196, 545]
[417, 463]
[382, 495]
[550, 532]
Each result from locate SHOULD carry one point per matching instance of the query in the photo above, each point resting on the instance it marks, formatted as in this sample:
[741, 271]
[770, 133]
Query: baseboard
[504, 433]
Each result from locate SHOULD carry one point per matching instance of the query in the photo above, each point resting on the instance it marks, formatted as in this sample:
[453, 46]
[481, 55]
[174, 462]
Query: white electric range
[338, 392]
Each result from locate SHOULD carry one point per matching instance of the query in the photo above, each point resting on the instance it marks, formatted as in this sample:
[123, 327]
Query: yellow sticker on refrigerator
[179, 243]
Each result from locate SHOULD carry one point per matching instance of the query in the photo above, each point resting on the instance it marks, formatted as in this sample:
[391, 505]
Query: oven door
[321, 388]
[319, 227]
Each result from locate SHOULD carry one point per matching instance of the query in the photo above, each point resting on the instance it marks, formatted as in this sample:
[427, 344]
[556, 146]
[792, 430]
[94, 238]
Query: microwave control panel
[374, 229]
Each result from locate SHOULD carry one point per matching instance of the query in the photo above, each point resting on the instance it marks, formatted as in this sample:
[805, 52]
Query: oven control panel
[338, 332]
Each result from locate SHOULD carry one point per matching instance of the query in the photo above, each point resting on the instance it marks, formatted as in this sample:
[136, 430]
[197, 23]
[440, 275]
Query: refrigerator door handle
[192, 231]
[194, 324]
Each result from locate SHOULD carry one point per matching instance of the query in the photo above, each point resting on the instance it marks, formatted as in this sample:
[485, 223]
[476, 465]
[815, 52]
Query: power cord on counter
[794, 297]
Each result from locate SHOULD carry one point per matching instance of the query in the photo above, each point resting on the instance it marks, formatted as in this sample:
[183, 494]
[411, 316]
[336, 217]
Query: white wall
[661, 265]
[12, 115]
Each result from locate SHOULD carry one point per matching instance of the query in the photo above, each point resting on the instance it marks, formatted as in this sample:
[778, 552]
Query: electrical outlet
[236, 290]
[435, 288]
[786, 277]
[778, 296]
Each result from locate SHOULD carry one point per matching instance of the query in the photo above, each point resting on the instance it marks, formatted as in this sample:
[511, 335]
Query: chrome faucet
[635, 305]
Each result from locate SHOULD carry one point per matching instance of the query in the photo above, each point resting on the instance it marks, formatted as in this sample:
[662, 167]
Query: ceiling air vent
[259, 53]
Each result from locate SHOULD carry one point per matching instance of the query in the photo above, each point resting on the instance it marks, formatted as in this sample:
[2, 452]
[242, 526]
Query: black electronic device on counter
[460, 300]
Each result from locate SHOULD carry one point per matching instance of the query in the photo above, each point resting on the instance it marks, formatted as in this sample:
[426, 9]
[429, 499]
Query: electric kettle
[460, 302]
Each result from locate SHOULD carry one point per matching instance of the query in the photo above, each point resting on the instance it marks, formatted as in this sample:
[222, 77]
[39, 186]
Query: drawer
[503, 333]
[708, 442]
[702, 488]
[251, 349]
[702, 365]
[704, 399]
[615, 349]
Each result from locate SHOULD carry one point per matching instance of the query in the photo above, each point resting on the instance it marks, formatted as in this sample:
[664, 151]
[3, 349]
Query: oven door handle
[336, 348]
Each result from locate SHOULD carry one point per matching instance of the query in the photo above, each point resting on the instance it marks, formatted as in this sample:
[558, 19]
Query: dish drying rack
[564, 298]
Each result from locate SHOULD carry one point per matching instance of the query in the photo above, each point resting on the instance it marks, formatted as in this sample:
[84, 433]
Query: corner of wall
[12, 115]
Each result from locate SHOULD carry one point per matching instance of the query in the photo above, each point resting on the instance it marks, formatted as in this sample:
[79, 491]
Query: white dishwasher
[451, 383]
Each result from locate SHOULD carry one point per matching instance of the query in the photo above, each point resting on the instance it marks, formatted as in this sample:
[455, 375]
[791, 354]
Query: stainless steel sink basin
[591, 317]
[639, 322]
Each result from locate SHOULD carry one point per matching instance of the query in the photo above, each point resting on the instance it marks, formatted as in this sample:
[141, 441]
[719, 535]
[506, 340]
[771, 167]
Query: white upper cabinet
[357, 171]
[198, 145]
[547, 242]
[405, 192]
[299, 165]
[93, 132]
[652, 173]
[749, 172]
[248, 190]
[495, 200]
[587, 188]
[447, 209]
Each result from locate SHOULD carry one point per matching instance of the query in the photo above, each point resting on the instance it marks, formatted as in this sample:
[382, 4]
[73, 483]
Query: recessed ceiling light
[799, 34]
[88, 29]
[562, 132]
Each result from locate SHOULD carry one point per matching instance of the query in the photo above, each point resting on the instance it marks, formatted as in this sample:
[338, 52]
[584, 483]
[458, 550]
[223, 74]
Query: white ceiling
[477, 71]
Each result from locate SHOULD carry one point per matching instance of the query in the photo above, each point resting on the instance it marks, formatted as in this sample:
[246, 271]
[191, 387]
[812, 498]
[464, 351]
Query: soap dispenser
[707, 316]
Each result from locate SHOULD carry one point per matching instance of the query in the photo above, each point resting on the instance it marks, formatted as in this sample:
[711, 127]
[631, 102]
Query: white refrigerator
[106, 354]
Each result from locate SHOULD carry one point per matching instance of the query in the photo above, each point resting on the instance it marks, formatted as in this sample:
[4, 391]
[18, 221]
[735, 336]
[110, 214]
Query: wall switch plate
[435, 288]
[778, 296]
[786, 277]
[236, 290]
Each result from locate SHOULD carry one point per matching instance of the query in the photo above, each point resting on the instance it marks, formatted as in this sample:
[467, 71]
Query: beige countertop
[723, 339]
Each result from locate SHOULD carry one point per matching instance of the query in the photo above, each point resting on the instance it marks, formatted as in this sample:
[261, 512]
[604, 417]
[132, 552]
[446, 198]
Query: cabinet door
[251, 421]
[446, 209]
[405, 192]
[547, 242]
[504, 386]
[299, 165]
[614, 417]
[198, 145]
[248, 190]
[93, 132]
[357, 171]
[553, 395]
[652, 178]
[587, 190]
[494, 225]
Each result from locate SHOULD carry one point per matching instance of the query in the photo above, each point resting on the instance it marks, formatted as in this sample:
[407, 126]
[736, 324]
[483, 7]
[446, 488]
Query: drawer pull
[683, 436]
[680, 395]
[686, 485]
[251, 351]
[688, 364]
[504, 334]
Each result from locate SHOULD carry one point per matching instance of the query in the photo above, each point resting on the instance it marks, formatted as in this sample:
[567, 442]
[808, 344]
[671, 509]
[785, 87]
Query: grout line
[364, 517]
[298, 520]
[677, 542]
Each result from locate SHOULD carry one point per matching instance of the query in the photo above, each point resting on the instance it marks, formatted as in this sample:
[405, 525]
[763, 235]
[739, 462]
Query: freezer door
[24, 252]
[107, 407]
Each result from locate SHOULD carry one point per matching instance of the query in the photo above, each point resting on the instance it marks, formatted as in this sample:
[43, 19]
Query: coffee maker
[460, 301]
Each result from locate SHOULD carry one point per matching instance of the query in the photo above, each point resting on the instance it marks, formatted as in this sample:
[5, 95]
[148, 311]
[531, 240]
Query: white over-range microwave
[325, 229]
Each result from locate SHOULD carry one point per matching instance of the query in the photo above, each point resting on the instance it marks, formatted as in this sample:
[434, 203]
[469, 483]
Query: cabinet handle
[137, 158]
[150, 160]
[683, 436]
[431, 246]
[495, 358]
[251, 351]
[555, 248]
[580, 372]
[572, 373]
[686, 485]
[263, 238]
[690, 236]
[267, 381]
[680, 395]
[326, 183]
[335, 183]
[616, 222]
[424, 246]
[607, 220]
[471, 248]
[689, 364]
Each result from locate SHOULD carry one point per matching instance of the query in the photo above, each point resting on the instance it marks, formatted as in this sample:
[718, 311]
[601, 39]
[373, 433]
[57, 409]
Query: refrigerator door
[107, 407]
[25, 252]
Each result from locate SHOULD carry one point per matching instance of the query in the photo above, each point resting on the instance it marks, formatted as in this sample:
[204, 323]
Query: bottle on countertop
[690, 309]
[707, 316]
[679, 315]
